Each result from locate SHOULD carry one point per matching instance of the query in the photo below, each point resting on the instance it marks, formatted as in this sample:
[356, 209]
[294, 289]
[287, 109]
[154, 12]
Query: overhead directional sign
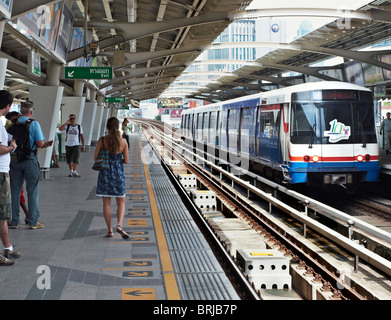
[115, 99]
[88, 73]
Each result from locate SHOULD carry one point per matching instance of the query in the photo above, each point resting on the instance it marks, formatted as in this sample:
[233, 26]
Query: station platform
[385, 162]
[166, 257]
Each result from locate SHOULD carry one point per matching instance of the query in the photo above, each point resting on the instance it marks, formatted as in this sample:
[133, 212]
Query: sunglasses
[72, 118]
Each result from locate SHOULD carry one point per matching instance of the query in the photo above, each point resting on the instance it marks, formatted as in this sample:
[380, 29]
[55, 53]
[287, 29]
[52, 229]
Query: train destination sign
[99, 73]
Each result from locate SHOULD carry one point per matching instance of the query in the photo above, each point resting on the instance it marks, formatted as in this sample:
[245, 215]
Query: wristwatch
[13, 149]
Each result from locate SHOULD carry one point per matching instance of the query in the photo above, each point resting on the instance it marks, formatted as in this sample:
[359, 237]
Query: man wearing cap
[28, 170]
[6, 147]
[10, 116]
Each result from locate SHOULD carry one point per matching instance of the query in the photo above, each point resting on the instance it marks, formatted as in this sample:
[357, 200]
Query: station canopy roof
[150, 43]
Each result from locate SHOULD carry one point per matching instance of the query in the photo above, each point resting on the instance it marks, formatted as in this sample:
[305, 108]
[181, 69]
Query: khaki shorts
[5, 197]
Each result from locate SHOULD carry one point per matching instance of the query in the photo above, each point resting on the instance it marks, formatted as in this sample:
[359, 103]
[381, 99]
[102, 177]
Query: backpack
[67, 128]
[20, 132]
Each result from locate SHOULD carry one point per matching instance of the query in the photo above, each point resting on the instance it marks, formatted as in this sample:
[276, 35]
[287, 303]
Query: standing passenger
[11, 116]
[111, 182]
[28, 169]
[125, 130]
[386, 126]
[6, 148]
[74, 135]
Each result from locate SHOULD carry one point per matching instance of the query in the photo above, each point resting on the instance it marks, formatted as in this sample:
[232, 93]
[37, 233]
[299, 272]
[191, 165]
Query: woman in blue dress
[111, 183]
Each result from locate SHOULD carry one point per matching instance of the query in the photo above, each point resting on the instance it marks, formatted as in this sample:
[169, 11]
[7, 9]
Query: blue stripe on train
[298, 171]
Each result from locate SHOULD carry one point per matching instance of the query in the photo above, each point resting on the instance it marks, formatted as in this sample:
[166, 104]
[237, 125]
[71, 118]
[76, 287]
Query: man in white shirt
[74, 135]
[6, 147]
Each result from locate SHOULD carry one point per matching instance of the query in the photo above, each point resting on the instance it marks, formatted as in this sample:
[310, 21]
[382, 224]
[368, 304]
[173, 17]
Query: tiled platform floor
[71, 254]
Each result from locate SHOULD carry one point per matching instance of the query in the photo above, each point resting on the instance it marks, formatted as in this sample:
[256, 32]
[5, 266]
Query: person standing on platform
[111, 182]
[27, 169]
[74, 135]
[10, 117]
[6, 147]
[55, 155]
[126, 130]
[386, 127]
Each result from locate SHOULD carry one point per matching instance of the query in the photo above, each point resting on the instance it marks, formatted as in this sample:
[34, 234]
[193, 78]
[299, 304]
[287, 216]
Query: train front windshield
[332, 116]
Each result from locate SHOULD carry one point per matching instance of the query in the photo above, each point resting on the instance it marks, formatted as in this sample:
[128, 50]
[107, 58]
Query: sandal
[124, 235]
[109, 234]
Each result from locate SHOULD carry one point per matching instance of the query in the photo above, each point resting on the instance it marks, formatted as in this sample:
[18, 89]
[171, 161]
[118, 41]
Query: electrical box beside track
[188, 180]
[267, 269]
[204, 199]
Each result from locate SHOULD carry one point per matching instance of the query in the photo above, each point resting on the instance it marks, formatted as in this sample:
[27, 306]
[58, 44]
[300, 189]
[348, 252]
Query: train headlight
[360, 158]
[306, 158]
[315, 159]
[367, 157]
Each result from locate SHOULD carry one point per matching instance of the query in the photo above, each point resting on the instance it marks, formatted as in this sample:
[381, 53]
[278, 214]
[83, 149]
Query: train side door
[277, 154]
[284, 134]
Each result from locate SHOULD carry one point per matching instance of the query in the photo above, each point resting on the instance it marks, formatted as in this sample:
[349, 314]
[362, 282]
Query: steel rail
[305, 256]
[356, 249]
[251, 292]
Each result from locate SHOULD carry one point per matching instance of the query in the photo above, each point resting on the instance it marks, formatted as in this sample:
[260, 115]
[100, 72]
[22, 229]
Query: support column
[105, 117]
[88, 122]
[78, 88]
[98, 120]
[47, 102]
[53, 74]
[3, 69]
[3, 62]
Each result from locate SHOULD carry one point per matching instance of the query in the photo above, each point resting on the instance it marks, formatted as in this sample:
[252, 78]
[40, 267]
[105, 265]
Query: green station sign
[115, 99]
[99, 73]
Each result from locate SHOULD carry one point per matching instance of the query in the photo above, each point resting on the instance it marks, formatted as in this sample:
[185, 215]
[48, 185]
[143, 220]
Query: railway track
[303, 251]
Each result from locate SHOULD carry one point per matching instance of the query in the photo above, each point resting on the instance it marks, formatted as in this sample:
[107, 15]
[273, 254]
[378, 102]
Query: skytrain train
[320, 133]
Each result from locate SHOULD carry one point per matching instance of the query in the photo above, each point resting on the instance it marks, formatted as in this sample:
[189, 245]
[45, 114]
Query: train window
[365, 131]
[224, 129]
[248, 120]
[278, 120]
[247, 132]
[191, 125]
[184, 124]
[267, 123]
[218, 129]
[333, 122]
[205, 127]
[212, 127]
[337, 121]
[199, 126]
[305, 123]
[233, 125]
